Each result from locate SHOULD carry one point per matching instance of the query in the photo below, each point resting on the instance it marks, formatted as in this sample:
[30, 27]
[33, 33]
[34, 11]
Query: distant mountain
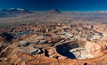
[13, 12]
[77, 13]
[90, 13]
[100, 12]
[54, 11]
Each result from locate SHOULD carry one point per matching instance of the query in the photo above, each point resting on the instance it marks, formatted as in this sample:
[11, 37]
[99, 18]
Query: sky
[62, 5]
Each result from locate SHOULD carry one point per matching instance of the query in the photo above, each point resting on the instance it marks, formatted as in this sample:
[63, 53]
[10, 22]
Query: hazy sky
[62, 5]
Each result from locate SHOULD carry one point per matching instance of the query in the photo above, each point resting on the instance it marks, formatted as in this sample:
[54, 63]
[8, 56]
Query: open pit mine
[54, 44]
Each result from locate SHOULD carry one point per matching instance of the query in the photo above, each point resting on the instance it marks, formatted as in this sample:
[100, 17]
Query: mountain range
[13, 12]
[52, 15]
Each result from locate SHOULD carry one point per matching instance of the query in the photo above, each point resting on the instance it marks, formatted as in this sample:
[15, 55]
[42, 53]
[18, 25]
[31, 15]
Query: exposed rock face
[30, 50]
[79, 53]
[93, 49]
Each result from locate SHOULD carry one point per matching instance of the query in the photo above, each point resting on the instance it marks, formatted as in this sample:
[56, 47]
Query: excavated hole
[74, 50]
[77, 53]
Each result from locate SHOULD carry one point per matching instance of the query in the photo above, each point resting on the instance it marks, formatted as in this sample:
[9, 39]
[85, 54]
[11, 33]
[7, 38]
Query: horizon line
[62, 10]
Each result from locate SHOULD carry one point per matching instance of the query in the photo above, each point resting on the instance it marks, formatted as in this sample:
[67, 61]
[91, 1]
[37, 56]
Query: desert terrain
[53, 38]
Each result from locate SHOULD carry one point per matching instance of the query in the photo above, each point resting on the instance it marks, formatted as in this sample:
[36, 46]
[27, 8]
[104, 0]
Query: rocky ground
[54, 44]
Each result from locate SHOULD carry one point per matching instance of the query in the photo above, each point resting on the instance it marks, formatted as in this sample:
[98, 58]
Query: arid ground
[53, 38]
